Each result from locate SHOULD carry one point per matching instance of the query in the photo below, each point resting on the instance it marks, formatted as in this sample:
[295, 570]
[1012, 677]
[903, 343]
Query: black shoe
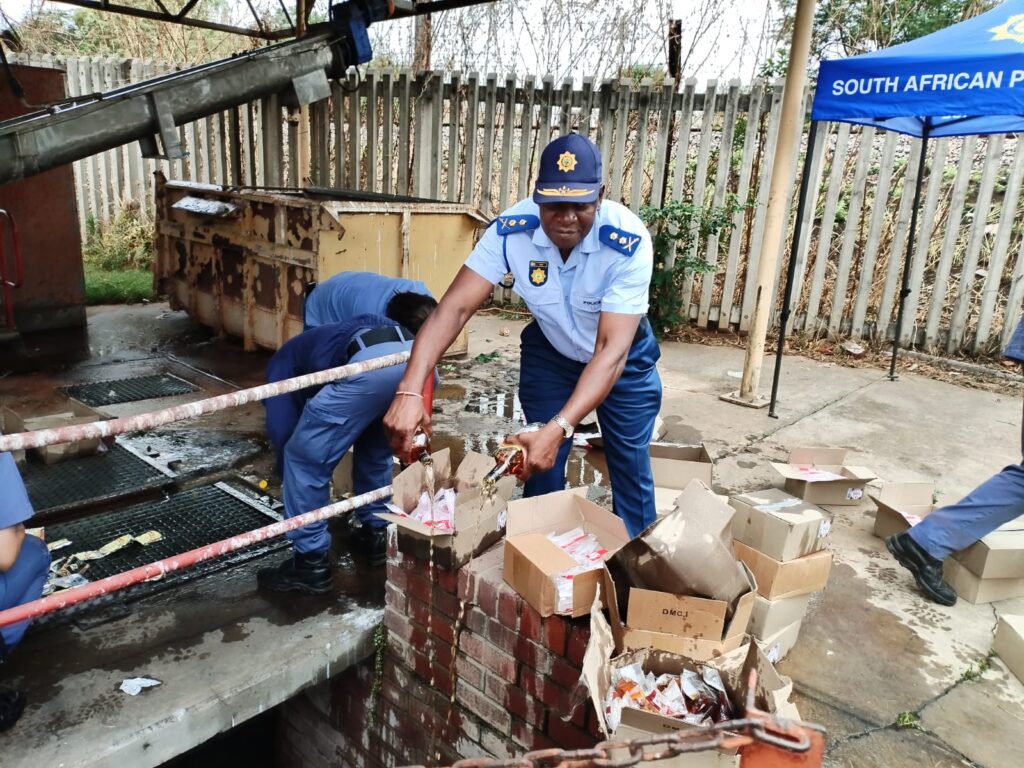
[371, 543]
[310, 573]
[12, 704]
[926, 569]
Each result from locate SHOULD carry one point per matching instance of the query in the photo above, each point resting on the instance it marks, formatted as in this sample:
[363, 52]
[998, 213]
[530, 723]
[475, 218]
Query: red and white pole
[69, 597]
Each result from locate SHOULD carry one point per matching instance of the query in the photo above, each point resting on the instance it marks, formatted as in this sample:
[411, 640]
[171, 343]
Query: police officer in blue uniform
[583, 266]
[312, 429]
[24, 566]
[350, 294]
[995, 502]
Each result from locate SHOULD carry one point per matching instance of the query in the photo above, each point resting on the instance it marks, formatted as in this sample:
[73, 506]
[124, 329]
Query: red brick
[447, 580]
[440, 625]
[534, 656]
[487, 655]
[446, 603]
[564, 673]
[496, 744]
[394, 597]
[530, 623]
[509, 606]
[436, 649]
[529, 738]
[523, 706]
[476, 621]
[540, 687]
[568, 736]
[397, 576]
[467, 586]
[556, 630]
[470, 671]
[397, 625]
[501, 637]
[593, 724]
[421, 588]
[576, 645]
[487, 597]
[488, 711]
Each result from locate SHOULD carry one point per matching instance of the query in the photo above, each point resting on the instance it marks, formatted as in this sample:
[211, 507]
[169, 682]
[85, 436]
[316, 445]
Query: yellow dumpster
[239, 260]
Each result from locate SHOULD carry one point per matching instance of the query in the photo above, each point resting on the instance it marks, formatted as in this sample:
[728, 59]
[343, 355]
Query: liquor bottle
[421, 447]
[510, 458]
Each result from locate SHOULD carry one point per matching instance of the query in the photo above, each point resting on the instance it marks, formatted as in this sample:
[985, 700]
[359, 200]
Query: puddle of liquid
[450, 392]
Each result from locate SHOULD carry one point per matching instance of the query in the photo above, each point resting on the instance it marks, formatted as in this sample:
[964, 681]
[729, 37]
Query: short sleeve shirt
[608, 271]
[15, 506]
[350, 294]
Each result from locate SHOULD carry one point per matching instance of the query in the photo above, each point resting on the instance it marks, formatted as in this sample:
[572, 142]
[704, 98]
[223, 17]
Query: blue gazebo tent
[962, 80]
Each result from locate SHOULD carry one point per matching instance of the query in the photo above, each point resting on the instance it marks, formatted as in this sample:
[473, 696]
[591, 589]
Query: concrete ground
[871, 648]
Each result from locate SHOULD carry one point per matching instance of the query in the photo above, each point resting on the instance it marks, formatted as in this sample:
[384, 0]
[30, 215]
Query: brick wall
[515, 678]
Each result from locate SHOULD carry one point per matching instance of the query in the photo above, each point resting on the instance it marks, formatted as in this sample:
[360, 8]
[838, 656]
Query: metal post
[791, 120]
[905, 283]
[787, 295]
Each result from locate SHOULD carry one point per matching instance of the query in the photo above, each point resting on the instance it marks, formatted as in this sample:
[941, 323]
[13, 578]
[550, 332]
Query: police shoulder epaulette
[619, 239]
[511, 224]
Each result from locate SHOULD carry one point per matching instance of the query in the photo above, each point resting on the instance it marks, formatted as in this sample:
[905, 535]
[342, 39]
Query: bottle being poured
[509, 459]
[421, 440]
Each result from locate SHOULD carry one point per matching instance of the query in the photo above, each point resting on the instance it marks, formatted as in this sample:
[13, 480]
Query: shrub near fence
[477, 138]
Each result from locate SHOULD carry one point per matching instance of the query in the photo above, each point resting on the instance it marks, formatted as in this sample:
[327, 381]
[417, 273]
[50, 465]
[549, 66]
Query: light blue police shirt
[350, 294]
[609, 271]
[15, 506]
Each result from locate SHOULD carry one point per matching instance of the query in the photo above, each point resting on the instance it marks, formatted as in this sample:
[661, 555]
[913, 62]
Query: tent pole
[905, 283]
[805, 181]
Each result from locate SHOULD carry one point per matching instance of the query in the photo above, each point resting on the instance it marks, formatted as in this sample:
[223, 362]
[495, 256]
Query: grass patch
[907, 720]
[118, 286]
[975, 672]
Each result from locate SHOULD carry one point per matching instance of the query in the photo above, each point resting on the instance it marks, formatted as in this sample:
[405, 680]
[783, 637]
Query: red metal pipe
[59, 600]
[144, 421]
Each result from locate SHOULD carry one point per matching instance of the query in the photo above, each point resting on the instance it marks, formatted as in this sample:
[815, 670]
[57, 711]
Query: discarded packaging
[1009, 643]
[589, 555]
[697, 697]
[533, 560]
[779, 525]
[72, 413]
[133, 686]
[53, 546]
[144, 539]
[440, 515]
[778, 645]
[820, 476]
[901, 506]
[776, 580]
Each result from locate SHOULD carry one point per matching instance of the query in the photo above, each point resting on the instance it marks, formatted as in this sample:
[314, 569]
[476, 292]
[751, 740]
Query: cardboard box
[901, 506]
[776, 580]
[768, 617]
[70, 413]
[779, 525]
[673, 467]
[479, 521]
[1009, 643]
[819, 475]
[341, 479]
[772, 693]
[999, 555]
[975, 590]
[531, 559]
[675, 619]
[778, 645]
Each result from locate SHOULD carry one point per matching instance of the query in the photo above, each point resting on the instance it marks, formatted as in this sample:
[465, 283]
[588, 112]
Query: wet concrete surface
[870, 648]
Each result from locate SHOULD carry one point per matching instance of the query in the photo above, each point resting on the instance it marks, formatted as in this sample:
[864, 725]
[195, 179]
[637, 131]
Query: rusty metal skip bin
[240, 259]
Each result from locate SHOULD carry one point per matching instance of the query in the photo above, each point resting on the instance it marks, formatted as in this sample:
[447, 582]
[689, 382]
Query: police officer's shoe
[308, 572]
[371, 543]
[926, 569]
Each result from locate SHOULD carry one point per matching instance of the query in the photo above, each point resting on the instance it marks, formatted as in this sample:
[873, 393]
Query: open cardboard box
[772, 694]
[341, 478]
[69, 414]
[532, 560]
[820, 476]
[779, 525]
[479, 521]
[901, 506]
[1009, 643]
[776, 580]
[697, 627]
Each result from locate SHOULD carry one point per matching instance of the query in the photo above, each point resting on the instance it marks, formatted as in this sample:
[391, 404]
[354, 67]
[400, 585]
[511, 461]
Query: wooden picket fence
[477, 140]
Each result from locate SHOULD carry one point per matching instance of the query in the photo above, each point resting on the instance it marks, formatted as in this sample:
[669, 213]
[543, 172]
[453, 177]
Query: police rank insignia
[510, 225]
[566, 162]
[619, 239]
[538, 272]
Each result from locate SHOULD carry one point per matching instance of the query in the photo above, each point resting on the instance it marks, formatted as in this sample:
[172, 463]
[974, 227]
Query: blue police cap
[570, 171]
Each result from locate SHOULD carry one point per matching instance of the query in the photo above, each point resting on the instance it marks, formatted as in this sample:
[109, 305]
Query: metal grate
[100, 393]
[90, 479]
[188, 519]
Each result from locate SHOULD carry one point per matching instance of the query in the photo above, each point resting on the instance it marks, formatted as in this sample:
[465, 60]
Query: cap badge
[566, 162]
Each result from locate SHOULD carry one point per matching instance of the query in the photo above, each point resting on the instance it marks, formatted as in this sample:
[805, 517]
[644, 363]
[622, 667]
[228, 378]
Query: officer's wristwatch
[563, 422]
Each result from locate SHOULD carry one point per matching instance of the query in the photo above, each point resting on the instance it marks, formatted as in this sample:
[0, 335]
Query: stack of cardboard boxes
[991, 569]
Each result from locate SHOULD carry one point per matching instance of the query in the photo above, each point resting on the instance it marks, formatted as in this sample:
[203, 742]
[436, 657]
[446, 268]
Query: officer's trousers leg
[998, 500]
[546, 380]
[372, 468]
[23, 583]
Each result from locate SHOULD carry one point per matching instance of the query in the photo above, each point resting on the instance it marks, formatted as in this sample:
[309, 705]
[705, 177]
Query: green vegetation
[908, 720]
[118, 259]
[127, 286]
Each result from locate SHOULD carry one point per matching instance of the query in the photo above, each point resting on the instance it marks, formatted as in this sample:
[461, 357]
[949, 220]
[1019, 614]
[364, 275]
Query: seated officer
[349, 294]
[995, 502]
[312, 429]
[24, 565]
[582, 265]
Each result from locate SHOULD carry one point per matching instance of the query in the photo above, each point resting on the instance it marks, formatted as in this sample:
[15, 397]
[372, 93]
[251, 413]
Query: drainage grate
[78, 482]
[100, 393]
[187, 519]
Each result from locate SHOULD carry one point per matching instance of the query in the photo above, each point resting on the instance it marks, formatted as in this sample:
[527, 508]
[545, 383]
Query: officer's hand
[405, 415]
[541, 448]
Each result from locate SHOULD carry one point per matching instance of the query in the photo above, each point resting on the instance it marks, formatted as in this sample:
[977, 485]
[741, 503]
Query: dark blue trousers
[23, 583]
[547, 379]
